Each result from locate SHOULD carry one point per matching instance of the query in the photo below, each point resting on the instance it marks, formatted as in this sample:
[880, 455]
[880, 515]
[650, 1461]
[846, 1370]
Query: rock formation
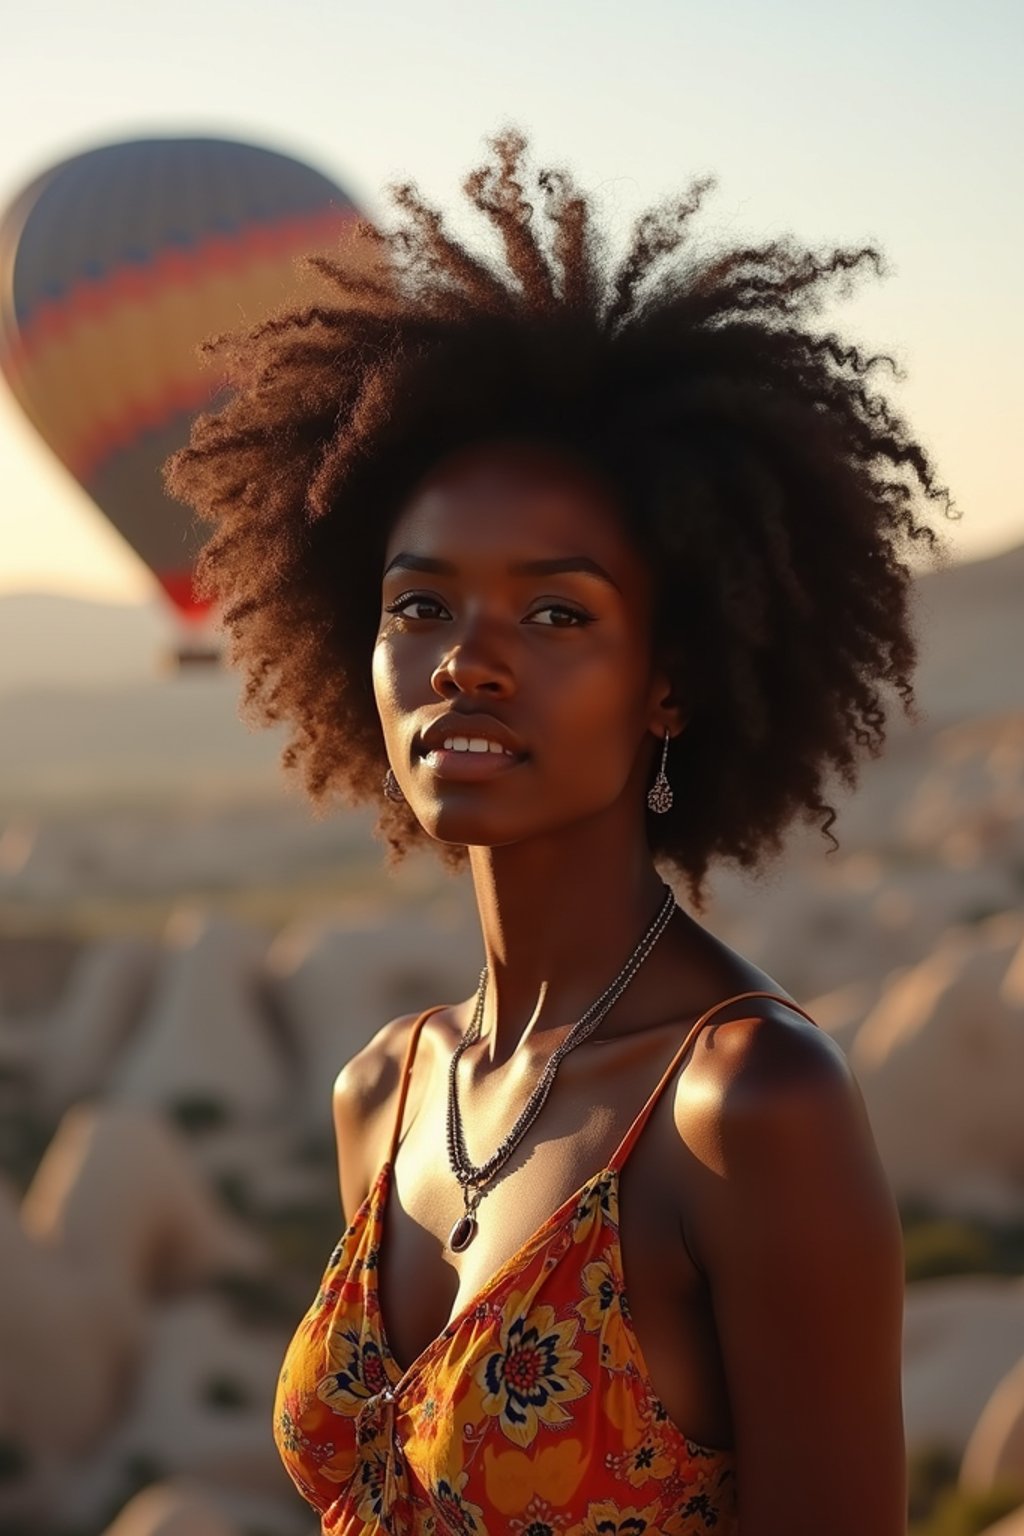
[338, 985]
[203, 1037]
[959, 1337]
[940, 1060]
[102, 1002]
[995, 1451]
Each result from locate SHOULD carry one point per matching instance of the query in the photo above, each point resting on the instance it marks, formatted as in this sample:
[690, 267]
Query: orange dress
[531, 1413]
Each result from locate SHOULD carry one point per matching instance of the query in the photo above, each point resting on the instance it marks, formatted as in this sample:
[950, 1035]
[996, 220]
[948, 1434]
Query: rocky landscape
[187, 957]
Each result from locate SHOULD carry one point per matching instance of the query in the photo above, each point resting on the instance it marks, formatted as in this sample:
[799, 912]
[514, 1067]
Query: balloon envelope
[113, 267]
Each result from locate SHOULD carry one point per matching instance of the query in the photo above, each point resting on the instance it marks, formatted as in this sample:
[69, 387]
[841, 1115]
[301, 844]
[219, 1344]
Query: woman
[573, 571]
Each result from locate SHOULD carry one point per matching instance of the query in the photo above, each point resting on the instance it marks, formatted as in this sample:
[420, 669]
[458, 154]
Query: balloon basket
[190, 656]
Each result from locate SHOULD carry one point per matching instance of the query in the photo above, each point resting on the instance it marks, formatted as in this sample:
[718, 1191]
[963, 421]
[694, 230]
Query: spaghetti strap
[403, 1089]
[628, 1141]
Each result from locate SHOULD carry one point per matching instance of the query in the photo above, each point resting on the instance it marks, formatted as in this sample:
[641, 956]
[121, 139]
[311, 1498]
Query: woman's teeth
[474, 744]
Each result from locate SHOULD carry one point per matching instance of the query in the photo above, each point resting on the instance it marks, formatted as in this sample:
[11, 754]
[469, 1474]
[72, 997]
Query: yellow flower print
[649, 1458]
[528, 1380]
[598, 1202]
[369, 1488]
[700, 1511]
[604, 1311]
[539, 1519]
[358, 1372]
[459, 1515]
[607, 1519]
[438, 1423]
[305, 1430]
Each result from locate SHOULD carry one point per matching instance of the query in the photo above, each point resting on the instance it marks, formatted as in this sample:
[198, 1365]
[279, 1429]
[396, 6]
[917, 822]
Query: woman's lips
[467, 767]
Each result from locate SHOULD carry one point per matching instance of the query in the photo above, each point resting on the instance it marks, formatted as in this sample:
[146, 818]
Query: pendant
[463, 1233]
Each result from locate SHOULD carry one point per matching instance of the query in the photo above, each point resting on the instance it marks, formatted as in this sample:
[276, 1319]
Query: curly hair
[774, 491]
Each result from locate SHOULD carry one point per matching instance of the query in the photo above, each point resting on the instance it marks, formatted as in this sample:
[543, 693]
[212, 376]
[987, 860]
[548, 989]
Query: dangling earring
[659, 796]
[392, 788]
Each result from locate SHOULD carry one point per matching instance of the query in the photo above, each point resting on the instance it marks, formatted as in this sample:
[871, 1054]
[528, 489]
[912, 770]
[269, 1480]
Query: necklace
[474, 1177]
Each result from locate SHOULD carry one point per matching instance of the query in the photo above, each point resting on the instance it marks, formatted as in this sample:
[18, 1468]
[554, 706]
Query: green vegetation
[938, 1507]
[138, 1471]
[196, 1114]
[937, 1245]
[290, 896]
[255, 1301]
[232, 1188]
[930, 1471]
[968, 1514]
[225, 1392]
[316, 1150]
[980, 912]
[24, 1136]
[14, 1460]
[303, 1239]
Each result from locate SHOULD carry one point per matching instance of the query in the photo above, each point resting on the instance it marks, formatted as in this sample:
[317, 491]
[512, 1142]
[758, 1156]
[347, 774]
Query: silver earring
[659, 796]
[392, 788]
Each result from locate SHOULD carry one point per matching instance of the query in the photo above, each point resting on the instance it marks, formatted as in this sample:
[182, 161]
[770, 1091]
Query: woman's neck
[559, 917]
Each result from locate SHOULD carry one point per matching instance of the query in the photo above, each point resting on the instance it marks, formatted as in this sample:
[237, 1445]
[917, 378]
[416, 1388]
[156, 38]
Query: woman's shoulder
[758, 1066]
[774, 1102]
[752, 1046]
[369, 1077]
[765, 1045]
[368, 1081]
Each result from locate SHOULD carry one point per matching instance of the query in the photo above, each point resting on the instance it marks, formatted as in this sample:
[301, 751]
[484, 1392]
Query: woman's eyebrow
[555, 566]
[560, 564]
[406, 562]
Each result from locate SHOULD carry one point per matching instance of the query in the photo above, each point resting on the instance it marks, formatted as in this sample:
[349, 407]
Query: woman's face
[516, 622]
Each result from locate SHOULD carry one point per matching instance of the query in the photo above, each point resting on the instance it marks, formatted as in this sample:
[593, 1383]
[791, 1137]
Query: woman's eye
[562, 616]
[412, 605]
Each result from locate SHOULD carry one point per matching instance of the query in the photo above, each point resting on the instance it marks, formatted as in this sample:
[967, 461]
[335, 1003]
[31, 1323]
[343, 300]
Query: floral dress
[531, 1413]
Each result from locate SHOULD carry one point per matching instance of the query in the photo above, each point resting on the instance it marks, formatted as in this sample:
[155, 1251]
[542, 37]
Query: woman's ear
[669, 710]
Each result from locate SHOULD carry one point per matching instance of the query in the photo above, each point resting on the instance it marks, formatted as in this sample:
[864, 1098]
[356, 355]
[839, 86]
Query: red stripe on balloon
[182, 397]
[90, 298]
[178, 586]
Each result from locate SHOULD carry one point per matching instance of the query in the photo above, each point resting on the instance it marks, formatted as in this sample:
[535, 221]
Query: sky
[896, 121]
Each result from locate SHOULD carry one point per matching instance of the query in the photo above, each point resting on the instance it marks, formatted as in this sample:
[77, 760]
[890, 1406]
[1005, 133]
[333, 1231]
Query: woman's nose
[473, 665]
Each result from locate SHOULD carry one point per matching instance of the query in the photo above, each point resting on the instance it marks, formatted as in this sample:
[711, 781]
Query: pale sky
[900, 121]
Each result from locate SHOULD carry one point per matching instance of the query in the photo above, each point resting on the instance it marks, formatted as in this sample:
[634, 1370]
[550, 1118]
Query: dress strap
[629, 1140]
[403, 1088]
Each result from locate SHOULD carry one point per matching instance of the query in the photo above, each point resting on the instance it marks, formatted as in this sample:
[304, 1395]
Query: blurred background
[186, 956]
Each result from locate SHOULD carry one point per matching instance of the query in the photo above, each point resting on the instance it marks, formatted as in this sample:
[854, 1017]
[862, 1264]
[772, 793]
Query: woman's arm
[803, 1251]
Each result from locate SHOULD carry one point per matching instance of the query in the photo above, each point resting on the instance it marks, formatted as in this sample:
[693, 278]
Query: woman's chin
[448, 825]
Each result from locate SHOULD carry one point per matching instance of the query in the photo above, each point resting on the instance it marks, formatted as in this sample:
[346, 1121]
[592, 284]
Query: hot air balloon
[113, 267]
